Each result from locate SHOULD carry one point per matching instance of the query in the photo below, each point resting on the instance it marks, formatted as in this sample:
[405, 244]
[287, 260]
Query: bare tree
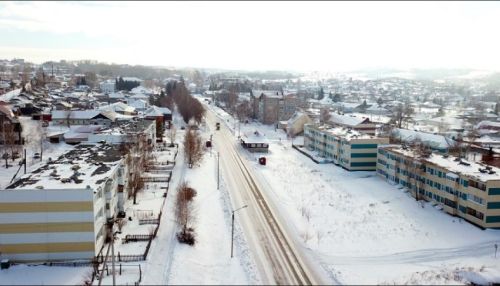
[139, 155]
[11, 139]
[193, 148]
[67, 116]
[184, 213]
[171, 134]
[232, 100]
[243, 110]
[402, 113]
[324, 115]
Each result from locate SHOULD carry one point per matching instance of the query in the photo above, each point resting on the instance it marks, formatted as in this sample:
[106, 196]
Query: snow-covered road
[277, 258]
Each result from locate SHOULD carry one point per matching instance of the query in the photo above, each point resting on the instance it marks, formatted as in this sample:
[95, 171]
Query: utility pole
[112, 237]
[232, 227]
[218, 171]
[25, 159]
[41, 149]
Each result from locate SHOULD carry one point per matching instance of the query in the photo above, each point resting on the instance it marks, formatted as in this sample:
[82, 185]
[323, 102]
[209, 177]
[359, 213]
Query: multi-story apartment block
[466, 189]
[60, 210]
[269, 107]
[349, 149]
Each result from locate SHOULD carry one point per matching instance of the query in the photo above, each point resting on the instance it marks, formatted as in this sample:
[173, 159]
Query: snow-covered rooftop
[349, 120]
[348, 134]
[455, 165]
[254, 137]
[429, 139]
[85, 165]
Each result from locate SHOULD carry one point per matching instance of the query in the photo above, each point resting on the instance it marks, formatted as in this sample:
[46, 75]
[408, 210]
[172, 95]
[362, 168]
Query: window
[475, 199]
[474, 213]
[477, 185]
[107, 206]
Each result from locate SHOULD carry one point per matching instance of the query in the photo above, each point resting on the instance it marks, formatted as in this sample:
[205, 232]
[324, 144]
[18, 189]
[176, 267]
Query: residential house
[254, 142]
[295, 125]
[83, 117]
[10, 127]
[350, 121]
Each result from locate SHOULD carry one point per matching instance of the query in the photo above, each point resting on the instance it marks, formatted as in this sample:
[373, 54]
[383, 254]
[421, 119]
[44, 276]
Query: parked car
[262, 161]
[36, 156]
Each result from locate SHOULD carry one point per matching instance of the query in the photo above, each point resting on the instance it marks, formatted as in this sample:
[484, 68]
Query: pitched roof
[348, 120]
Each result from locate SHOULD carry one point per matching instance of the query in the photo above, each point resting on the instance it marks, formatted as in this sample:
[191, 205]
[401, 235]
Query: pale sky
[300, 36]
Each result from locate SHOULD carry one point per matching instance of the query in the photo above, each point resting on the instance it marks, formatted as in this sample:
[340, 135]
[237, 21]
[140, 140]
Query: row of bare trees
[188, 106]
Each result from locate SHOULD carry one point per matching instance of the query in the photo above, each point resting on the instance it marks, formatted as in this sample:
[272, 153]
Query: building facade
[51, 215]
[349, 149]
[465, 189]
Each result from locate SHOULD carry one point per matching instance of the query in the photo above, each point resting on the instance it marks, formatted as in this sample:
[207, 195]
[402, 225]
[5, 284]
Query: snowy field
[364, 230]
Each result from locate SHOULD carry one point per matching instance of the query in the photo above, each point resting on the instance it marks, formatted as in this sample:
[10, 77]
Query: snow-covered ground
[43, 275]
[209, 260]
[364, 230]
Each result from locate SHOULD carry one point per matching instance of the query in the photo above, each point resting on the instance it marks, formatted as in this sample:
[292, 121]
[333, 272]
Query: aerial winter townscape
[249, 143]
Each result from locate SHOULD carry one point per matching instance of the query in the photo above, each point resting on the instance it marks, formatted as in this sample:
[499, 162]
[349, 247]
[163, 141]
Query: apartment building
[347, 148]
[465, 189]
[269, 107]
[60, 210]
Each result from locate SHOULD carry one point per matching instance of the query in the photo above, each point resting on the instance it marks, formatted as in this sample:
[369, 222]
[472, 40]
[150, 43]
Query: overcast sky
[301, 36]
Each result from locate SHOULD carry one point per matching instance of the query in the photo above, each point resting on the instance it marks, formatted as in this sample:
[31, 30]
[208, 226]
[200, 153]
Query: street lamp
[232, 227]
[218, 170]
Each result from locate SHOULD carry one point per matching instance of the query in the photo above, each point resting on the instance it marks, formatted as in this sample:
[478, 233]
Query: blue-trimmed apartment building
[347, 148]
[468, 190]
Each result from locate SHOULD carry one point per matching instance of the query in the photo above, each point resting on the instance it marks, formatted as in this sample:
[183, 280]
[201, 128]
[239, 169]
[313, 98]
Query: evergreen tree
[380, 101]
[321, 93]
[337, 98]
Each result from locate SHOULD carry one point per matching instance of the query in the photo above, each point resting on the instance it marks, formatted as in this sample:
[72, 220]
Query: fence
[154, 235]
[159, 171]
[69, 263]
[122, 258]
[137, 237]
[162, 179]
[160, 166]
[149, 221]
[305, 153]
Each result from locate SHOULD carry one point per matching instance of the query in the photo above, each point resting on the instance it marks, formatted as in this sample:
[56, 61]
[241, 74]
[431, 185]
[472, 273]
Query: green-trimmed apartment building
[468, 190]
[347, 148]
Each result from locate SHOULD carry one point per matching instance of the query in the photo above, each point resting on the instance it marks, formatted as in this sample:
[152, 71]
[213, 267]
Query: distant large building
[108, 86]
[269, 107]
[465, 189]
[349, 149]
